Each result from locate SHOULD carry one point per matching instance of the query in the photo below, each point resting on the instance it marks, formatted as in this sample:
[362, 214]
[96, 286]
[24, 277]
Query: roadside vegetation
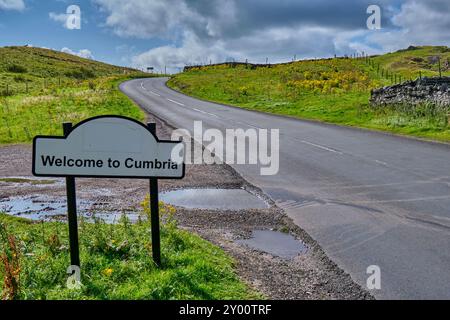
[330, 90]
[40, 89]
[116, 262]
[24, 116]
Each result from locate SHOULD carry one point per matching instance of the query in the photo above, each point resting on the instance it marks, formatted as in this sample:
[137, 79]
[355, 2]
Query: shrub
[81, 74]
[6, 92]
[10, 264]
[19, 79]
[15, 68]
[92, 85]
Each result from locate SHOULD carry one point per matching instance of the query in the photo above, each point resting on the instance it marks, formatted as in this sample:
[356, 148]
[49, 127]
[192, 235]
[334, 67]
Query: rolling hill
[415, 60]
[331, 90]
[41, 88]
[22, 67]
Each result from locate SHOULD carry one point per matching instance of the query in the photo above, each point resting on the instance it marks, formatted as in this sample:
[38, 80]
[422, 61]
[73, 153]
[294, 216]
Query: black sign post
[154, 207]
[72, 211]
[108, 147]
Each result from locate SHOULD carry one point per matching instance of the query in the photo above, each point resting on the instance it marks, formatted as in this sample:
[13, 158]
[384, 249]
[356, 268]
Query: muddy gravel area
[308, 275]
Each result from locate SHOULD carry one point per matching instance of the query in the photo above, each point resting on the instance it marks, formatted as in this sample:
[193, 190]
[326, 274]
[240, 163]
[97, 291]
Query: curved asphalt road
[368, 198]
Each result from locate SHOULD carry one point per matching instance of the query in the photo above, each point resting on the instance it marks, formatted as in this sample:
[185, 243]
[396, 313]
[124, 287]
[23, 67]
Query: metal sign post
[72, 211]
[154, 207]
[109, 147]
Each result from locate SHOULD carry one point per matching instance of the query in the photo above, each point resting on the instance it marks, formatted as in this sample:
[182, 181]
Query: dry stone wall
[420, 91]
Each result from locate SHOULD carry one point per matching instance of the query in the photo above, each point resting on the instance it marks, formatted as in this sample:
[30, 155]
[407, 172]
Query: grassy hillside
[40, 89]
[40, 68]
[415, 60]
[333, 90]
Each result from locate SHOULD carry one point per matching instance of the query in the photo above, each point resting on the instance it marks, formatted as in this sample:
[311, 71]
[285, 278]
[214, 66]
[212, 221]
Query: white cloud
[84, 53]
[201, 31]
[69, 20]
[419, 22]
[143, 19]
[193, 51]
[59, 17]
[227, 18]
[12, 5]
[278, 45]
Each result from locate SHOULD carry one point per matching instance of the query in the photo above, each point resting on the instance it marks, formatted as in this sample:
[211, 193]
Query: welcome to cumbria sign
[108, 147]
[129, 163]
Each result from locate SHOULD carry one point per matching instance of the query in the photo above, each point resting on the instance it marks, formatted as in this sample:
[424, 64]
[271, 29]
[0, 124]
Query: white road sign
[108, 146]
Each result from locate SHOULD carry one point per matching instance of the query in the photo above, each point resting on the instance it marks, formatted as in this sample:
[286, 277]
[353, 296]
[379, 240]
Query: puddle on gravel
[39, 208]
[216, 199]
[276, 243]
[36, 205]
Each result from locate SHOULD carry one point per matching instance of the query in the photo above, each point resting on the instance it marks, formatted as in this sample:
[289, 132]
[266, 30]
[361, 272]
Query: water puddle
[41, 208]
[36, 205]
[216, 199]
[276, 243]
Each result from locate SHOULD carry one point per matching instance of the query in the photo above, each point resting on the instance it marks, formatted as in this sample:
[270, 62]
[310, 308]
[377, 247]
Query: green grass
[116, 263]
[37, 69]
[25, 116]
[334, 91]
[61, 88]
[411, 62]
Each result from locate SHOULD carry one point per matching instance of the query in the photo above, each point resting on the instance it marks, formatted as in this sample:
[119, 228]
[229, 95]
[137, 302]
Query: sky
[174, 33]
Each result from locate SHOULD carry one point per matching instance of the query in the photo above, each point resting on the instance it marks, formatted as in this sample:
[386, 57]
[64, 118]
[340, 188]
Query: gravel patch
[308, 276]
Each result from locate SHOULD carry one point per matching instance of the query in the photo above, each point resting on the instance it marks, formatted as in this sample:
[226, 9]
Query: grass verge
[42, 113]
[116, 262]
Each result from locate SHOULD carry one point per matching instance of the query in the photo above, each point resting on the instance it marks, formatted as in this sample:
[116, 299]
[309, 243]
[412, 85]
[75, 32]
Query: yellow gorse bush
[166, 212]
[326, 81]
[319, 76]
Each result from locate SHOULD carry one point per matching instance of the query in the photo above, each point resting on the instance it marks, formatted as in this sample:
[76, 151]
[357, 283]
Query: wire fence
[393, 77]
[12, 88]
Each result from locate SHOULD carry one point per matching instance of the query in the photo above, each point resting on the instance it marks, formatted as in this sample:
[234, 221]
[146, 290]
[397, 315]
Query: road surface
[367, 198]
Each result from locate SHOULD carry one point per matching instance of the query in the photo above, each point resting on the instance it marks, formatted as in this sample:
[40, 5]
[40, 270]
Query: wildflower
[108, 272]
